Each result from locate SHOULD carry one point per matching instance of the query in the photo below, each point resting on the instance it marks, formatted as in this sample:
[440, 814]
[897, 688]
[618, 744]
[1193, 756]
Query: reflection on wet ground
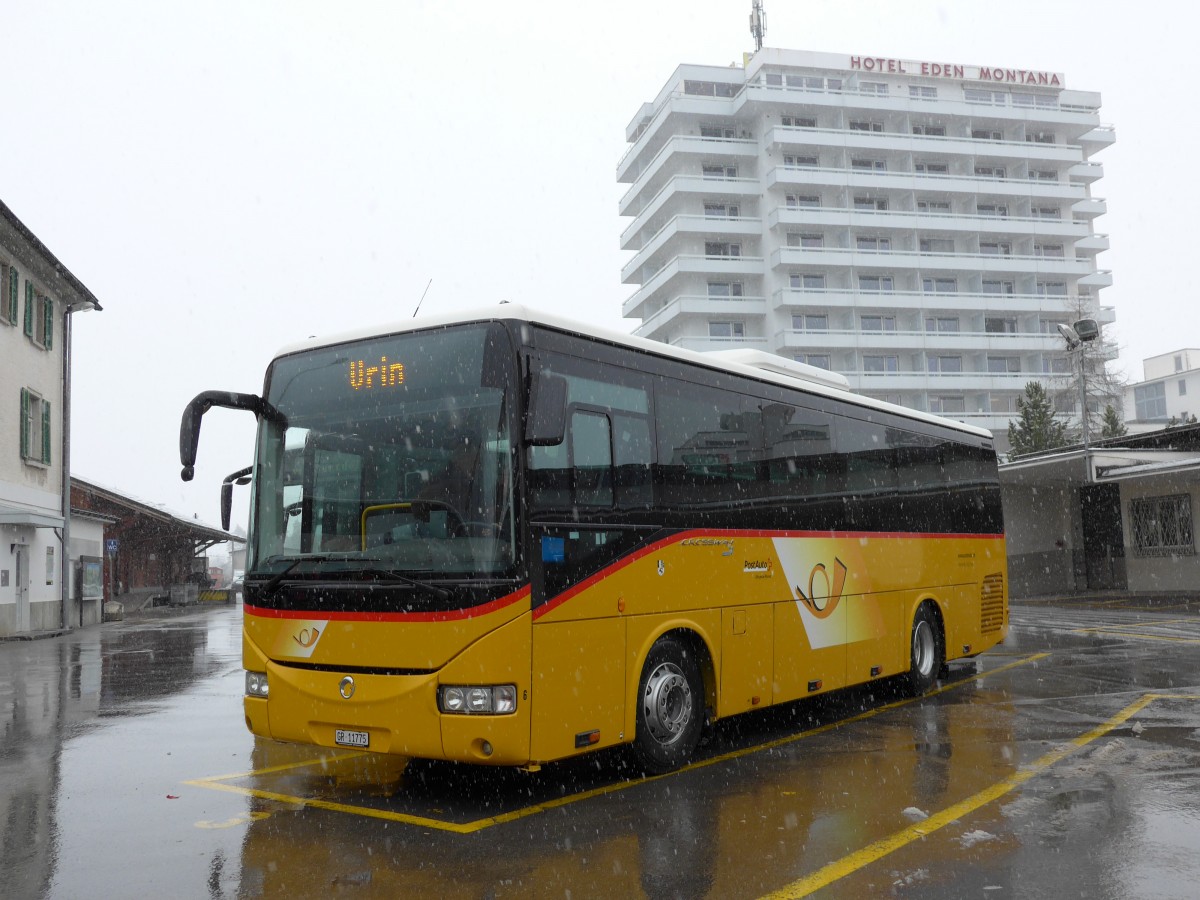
[1065, 764]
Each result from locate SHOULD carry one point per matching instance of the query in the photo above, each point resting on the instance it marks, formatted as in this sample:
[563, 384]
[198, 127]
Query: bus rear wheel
[926, 654]
[670, 713]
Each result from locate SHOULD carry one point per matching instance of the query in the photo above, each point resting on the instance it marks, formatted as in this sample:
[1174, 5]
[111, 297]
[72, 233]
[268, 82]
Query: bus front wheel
[670, 713]
[926, 654]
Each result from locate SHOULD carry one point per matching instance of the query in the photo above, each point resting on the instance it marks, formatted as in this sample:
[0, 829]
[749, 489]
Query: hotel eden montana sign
[887, 66]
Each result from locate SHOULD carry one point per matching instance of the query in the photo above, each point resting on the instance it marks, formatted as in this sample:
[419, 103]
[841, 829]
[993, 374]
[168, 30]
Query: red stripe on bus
[452, 615]
[731, 535]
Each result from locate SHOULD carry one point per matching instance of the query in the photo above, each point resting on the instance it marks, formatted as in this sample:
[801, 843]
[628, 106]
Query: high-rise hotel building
[919, 226]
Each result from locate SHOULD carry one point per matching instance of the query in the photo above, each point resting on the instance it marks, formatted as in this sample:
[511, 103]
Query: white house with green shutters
[37, 298]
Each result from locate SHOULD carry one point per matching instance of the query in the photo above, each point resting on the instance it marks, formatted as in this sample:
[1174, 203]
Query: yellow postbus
[505, 538]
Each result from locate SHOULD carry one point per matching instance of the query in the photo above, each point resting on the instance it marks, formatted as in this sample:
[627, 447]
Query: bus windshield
[390, 455]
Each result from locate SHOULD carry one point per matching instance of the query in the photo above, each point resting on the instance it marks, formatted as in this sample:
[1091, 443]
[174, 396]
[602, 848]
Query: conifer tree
[1113, 426]
[1036, 427]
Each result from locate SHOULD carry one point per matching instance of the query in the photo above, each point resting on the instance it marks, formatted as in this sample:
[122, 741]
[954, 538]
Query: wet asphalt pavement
[1066, 763]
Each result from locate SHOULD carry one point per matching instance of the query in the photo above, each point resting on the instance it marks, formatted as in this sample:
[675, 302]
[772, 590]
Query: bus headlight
[256, 684]
[495, 700]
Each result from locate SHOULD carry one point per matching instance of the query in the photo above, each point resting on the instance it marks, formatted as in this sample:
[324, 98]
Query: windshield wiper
[440, 592]
[268, 589]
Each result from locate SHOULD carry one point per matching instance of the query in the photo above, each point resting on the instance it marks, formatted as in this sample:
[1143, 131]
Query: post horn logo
[307, 637]
[822, 607]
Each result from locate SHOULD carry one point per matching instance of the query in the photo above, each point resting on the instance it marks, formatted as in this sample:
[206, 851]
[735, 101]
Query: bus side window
[592, 458]
[633, 453]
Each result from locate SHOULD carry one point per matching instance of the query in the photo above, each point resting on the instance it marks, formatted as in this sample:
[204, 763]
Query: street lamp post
[1076, 336]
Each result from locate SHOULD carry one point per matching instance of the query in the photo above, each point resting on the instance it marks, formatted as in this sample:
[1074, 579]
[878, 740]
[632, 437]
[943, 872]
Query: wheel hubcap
[667, 703]
[923, 649]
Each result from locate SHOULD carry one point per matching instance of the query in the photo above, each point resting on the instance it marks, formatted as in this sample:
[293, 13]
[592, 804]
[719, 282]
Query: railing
[934, 138]
[969, 218]
[932, 177]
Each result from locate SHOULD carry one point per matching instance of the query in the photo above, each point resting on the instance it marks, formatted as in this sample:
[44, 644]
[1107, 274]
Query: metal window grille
[1162, 526]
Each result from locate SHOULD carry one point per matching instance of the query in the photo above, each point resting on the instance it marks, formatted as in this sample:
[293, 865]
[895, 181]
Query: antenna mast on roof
[758, 23]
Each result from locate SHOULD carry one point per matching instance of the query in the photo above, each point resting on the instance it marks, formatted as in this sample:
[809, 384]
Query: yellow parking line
[218, 782]
[873, 852]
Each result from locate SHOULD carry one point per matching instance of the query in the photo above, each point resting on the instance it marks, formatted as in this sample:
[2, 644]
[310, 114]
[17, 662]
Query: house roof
[199, 529]
[68, 280]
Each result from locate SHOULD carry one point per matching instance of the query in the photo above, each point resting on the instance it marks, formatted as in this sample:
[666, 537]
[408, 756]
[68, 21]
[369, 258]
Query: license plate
[351, 738]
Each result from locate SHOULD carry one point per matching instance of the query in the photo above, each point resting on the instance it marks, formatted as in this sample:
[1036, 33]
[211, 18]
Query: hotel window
[922, 92]
[1150, 401]
[811, 322]
[879, 204]
[1040, 137]
[951, 365]
[797, 122]
[937, 245]
[1182, 387]
[872, 87]
[929, 168]
[1002, 403]
[809, 82]
[725, 289]
[941, 325]
[806, 241]
[720, 211]
[819, 360]
[1050, 326]
[1064, 403]
[710, 88]
[35, 438]
[1162, 526]
[939, 285]
[1056, 365]
[930, 130]
[9, 293]
[1003, 365]
[994, 172]
[996, 325]
[1043, 175]
[725, 132]
[981, 134]
[864, 125]
[1024, 99]
[1006, 288]
[976, 95]
[832, 84]
[934, 207]
[1053, 250]
[876, 284]
[716, 170]
[873, 244]
[807, 282]
[877, 323]
[802, 200]
[881, 363]
[726, 330]
[946, 405]
[774, 79]
[1178, 363]
[1052, 288]
[722, 248]
[995, 248]
[875, 165]
[808, 162]
[1046, 212]
[995, 210]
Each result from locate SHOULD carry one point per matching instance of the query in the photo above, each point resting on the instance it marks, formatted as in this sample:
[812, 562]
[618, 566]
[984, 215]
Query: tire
[670, 707]
[926, 653]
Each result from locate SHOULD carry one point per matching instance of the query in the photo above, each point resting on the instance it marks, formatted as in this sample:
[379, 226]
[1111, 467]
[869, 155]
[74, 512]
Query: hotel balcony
[875, 220]
[899, 260]
[873, 179]
[686, 305]
[692, 184]
[918, 341]
[732, 267]
[659, 247]
[683, 148]
[923, 145]
[1013, 304]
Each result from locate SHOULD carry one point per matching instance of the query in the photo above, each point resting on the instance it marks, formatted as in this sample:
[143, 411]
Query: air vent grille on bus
[991, 603]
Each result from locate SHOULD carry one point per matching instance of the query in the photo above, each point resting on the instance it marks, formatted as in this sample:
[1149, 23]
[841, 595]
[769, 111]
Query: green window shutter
[48, 321]
[46, 432]
[29, 309]
[24, 423]
[14, 305]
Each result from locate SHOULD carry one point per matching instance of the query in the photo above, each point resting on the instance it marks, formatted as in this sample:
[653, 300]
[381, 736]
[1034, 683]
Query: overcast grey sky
[227, 177]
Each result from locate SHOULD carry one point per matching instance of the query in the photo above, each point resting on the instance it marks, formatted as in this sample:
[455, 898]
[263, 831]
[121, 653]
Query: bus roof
[743, 361]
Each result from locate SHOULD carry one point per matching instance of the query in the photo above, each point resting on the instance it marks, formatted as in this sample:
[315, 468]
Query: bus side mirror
[546, 422]
[241, 476]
